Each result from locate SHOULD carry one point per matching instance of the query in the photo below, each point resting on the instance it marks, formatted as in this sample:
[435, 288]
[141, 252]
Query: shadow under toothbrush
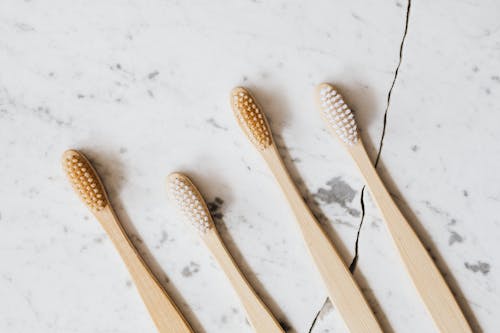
[112, 175]
[311, 202]
[373, 302]
[425, 238]
[251, 277]
[217, 210]
[334, 238]
[360, 102]
[274, 106]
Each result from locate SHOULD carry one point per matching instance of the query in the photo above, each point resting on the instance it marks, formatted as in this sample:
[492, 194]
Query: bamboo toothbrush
[431, 286]
[89, 187]
[342, 289]
[193, 207]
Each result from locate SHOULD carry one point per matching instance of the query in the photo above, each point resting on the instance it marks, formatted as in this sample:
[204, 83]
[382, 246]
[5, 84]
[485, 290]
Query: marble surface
[142, 88]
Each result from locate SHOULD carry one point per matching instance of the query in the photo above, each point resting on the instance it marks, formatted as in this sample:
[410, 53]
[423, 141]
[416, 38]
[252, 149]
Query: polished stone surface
[142, 88]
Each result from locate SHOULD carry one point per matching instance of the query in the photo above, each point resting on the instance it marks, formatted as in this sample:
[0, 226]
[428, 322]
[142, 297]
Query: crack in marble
[352, 266]
[384, 125]
[396, 72]
[317, 315]
[354, 261]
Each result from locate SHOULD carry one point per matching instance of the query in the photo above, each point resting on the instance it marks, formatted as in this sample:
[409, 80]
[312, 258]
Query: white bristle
[190, 202]
[338, 114]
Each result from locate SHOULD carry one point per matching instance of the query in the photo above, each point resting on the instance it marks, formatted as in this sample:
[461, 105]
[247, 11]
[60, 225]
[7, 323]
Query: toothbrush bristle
[84, 180]
[338, 115]
[189, 201]
[251, 118]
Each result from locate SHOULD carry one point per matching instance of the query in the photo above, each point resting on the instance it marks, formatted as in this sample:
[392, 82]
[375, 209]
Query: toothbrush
[191, 204]
[342, 289]
[88, 186]
[431, 286]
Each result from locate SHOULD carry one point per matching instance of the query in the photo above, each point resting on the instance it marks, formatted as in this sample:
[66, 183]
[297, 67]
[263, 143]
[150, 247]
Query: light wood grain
[427, 279]
[258, 314]
[342, 289]
[163, 311]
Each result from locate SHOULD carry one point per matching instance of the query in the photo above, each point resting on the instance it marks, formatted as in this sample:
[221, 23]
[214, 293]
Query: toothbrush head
[251, 118]
[85, 180]
[189, 201]
[337, 114]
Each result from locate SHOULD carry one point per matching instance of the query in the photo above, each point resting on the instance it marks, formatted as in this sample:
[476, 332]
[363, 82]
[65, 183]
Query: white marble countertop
[142, 88]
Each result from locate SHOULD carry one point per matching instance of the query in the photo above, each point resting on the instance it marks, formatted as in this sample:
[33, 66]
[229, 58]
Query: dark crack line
[396, 72]
[354, 262]
[352, 266]
[317, 316]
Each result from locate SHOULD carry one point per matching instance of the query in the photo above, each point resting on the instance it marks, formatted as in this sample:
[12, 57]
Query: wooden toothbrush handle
[258, 314]
[165, 314]
[342, 289]
[427, 279]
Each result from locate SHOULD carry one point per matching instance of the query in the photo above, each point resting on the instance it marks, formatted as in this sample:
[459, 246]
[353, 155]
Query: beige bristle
[189, 201]
[251, 118]
[84, 180]
[338, 115]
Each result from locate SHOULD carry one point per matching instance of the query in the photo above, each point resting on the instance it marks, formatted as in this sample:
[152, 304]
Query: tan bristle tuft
[189, 201]
[338, 115]
[251, 118]
[84, 180]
